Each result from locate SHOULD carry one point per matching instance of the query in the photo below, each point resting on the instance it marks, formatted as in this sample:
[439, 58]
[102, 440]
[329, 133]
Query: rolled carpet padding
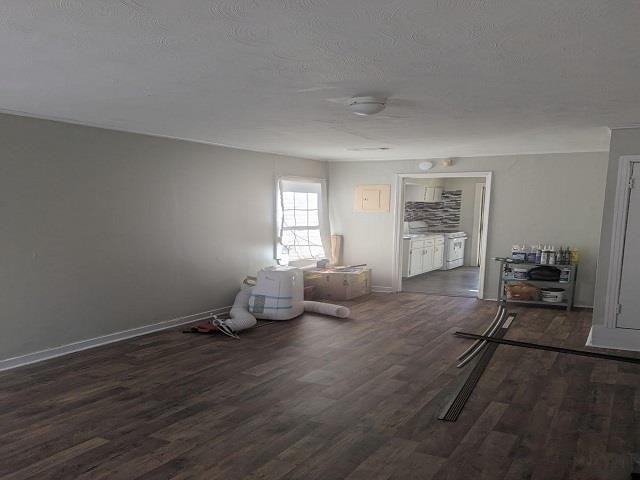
[339, 311]
[240, 319]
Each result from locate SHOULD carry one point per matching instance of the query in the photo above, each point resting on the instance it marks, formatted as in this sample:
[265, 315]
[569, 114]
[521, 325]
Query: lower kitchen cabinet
[415, 262]
[422, 255]
[438, 254]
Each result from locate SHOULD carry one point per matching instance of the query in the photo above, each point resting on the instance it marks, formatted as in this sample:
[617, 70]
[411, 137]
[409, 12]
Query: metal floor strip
[454, 407]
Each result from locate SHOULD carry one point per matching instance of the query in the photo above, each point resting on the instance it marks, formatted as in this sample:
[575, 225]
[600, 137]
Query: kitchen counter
[410, 236]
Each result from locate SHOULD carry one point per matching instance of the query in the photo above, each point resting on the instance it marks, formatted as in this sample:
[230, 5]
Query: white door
[415, 261]
[629, 316]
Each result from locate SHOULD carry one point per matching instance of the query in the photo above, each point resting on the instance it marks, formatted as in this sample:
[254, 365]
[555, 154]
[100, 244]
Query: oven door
[456, 249]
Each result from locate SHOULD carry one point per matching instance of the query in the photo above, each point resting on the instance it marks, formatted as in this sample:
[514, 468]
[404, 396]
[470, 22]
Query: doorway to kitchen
[441, 220]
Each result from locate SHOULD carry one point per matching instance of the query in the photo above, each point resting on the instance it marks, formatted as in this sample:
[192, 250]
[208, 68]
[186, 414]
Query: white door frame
[478, 210]
[398, 220]
[620, 209]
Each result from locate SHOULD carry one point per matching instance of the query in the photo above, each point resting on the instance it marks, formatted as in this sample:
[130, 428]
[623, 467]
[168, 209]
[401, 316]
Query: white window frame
[323, 215]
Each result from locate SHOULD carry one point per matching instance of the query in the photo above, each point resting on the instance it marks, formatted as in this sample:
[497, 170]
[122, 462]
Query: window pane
[287, 200]
[303, 243]
[313, 221]
[301, 237]
[289, 218]
[301, 200]
[301, 218]
[314, 237]
[312, 201]
[288, 238]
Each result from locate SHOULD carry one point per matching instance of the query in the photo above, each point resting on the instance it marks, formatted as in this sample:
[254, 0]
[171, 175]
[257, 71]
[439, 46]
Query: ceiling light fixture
[365, 106]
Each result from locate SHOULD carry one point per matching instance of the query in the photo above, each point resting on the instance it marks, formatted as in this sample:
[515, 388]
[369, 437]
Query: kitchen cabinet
[415, 261]
[438, 255]
[422, 255]
[433, 194]
[427, 256]
[422, 193]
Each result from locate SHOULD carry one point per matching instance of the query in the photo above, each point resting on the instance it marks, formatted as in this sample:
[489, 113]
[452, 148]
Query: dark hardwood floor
[459, 282]
[322, 398]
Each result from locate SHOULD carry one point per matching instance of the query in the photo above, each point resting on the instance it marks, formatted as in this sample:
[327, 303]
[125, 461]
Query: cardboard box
[339, 285]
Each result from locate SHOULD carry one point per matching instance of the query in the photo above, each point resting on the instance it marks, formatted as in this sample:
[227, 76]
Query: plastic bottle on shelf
[538, 254]
[544, 256]
[575, 256]
[552, 256]
[519, 252]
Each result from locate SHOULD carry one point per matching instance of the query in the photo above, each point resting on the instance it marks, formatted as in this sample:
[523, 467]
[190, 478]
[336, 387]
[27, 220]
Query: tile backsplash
[444, 215]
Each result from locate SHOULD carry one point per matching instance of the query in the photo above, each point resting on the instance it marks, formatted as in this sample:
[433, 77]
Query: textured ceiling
[464, 77]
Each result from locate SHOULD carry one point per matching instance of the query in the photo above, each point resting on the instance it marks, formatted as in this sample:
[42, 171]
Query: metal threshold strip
[454, 407]
[549, 348]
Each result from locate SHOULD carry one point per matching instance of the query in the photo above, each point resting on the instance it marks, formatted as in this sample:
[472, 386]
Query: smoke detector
[365, 106]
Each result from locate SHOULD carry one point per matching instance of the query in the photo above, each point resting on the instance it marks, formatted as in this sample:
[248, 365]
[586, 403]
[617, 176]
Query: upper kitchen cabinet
[422, 193]
[433, 194]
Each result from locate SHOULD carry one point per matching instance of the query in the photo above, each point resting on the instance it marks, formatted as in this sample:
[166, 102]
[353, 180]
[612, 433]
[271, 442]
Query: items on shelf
[545, 254]
[522, 291]
[552, 294]
[535, 284]
[543, 273]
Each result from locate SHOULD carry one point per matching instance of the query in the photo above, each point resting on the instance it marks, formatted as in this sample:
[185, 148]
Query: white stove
[454, 249]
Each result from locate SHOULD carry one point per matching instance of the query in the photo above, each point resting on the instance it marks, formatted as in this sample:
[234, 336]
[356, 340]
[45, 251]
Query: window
[301, 223]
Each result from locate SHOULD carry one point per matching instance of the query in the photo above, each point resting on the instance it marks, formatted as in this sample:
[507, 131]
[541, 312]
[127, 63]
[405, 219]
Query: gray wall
[623, 142]
[555, 198]
[468, 187]
[104, 231]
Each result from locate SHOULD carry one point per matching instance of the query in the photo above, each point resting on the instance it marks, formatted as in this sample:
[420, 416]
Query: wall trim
[138, 131]
[616, 338]
[381, 289]
[49, 353]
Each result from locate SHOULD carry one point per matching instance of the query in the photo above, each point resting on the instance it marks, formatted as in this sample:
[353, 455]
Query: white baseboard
[53, 352]
[616, 338]
[381, 289]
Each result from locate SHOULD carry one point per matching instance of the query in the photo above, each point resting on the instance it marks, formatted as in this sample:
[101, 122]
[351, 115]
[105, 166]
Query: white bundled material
[278, 294]
[241, 319]
[327, 309]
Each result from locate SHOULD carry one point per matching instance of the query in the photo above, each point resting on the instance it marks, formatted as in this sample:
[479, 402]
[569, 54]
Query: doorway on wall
[440, 233]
